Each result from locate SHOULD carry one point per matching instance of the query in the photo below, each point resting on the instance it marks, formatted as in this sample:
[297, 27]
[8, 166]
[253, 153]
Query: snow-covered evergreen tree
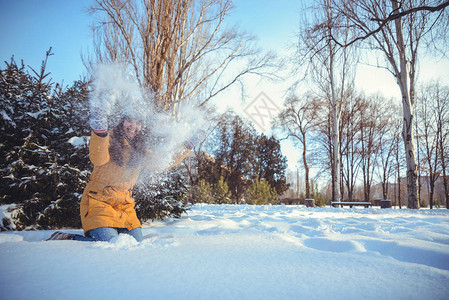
[159, 195]
[44, 167]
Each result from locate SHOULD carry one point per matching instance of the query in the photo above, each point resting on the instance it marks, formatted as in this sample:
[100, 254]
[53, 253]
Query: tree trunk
[335, 132]
[394, 196]
[336, 143]
[342, 185]
[445, 183]
[432, 190]
[399, 177]
[407, 107]
[446, 188]
[384, 190]
[441, 144]
[306, 171]
[297, 184]
[399, 191]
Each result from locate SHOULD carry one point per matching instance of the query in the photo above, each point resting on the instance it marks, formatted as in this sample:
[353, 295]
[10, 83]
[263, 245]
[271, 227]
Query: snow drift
[242, 252]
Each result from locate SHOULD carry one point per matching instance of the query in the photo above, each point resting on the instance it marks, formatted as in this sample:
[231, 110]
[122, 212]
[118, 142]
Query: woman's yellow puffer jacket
[107, 199]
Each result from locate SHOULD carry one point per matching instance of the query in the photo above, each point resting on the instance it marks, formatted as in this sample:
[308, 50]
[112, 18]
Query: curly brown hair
[138, 147]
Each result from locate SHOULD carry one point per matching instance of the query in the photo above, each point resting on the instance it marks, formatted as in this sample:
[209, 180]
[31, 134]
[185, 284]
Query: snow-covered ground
[242, 252]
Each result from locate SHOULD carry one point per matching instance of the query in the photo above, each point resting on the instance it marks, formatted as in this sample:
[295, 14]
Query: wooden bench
[351, 204]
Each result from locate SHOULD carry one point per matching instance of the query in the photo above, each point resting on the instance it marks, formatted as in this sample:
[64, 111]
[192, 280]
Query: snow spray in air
[115, 92]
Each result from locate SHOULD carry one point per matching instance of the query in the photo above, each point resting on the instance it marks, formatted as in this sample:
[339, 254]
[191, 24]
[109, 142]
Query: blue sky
[29, 27]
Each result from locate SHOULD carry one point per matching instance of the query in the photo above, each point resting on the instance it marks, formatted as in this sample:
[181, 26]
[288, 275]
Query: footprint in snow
[155, 239]
[324, 244]
[304, 230]
[420, 253]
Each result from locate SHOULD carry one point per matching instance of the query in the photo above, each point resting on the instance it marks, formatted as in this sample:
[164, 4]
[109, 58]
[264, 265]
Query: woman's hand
[99, 120]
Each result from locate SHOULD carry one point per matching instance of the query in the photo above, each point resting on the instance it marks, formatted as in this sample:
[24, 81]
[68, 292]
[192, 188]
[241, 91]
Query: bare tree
[389, 135]
[178, 49]
[433, 116]
[350, 157]
[443, 141]
[323, 154]
[297, 120]
[371, 118]
[331, 70]
[395, 28]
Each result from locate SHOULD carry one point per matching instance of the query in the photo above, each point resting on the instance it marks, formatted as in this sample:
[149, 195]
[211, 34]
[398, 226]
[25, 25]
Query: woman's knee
[103, 234]
[136, 233]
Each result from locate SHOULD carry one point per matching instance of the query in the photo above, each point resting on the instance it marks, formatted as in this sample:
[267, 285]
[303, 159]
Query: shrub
[202, 192]
[218, 193]
[221, 193]
[260, 192]
[320, 199]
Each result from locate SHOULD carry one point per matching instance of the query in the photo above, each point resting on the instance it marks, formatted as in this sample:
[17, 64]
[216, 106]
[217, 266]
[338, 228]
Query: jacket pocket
[100, 206]
[110, 196]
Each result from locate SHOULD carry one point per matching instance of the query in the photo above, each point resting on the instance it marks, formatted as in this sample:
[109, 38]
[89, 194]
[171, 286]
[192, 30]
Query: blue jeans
[105, 234]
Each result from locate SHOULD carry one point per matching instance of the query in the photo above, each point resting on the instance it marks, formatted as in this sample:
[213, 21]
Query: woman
[118, 156]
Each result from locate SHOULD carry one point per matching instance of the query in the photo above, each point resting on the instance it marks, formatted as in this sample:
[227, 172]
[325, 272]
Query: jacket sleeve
[153, 160]
[179, 156]
[99, 149]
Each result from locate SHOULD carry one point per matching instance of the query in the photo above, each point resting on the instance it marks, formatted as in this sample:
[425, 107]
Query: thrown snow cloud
[115, 92]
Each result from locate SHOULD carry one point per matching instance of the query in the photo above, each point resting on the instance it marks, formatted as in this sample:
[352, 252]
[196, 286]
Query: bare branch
[175, 48]
[396, 15]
